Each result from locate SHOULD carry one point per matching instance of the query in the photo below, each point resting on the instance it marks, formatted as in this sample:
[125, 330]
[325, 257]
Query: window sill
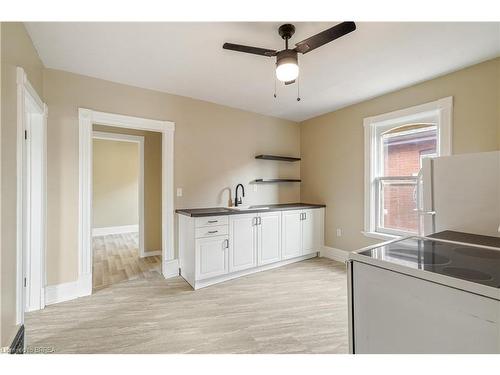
[381, 236]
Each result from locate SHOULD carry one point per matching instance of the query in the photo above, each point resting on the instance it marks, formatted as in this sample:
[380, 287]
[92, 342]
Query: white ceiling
[187, 59]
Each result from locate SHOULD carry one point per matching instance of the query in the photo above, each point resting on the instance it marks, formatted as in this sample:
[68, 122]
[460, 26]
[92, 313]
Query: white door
[243, 242]
[212, 257]
[291, 234]
[33, 242]
[269, 238]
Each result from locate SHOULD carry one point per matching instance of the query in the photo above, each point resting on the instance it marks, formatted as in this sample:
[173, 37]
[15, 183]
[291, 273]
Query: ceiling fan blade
[324, 37]
[248, 49]
[289, 82]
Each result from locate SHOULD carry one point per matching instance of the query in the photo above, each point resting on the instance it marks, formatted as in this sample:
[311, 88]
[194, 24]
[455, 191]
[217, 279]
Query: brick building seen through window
[403, 151]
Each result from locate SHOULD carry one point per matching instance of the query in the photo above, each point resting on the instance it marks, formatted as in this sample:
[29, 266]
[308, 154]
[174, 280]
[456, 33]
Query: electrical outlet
[179, 192]
[339, 232]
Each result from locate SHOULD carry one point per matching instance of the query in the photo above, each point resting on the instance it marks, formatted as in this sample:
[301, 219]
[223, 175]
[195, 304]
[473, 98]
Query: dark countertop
[473, 239]
[217, 211]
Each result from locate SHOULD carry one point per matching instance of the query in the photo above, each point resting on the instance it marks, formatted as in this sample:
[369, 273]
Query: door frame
[87, 118]
[139, 140]
[27, 96]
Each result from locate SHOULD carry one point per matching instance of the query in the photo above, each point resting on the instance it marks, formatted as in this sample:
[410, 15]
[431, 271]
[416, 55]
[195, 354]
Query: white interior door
[291, 234]
[243, 241]
[33, 207]
[269, 238]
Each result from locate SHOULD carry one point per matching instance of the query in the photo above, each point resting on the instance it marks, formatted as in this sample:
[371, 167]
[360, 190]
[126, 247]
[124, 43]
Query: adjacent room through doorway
[126, 230]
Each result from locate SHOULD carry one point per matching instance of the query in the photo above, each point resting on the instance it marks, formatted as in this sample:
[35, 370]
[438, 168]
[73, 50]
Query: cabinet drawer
[211, 221]
[217, 230]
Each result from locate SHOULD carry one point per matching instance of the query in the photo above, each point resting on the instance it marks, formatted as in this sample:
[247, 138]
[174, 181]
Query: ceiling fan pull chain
[298, 89]
[275, 87]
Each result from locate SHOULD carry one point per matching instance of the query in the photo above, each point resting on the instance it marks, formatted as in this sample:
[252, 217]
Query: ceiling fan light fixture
[287, 65]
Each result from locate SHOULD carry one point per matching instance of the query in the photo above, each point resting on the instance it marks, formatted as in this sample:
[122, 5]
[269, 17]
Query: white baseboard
[150, 253]
[335, 254]
[170, 268]
[215, 280]
[115, 230]
[68, 291]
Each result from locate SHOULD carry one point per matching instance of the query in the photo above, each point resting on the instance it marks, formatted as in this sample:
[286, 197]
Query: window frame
[439, 111]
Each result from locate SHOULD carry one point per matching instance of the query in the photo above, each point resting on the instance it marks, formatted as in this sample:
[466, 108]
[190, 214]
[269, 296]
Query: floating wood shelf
[275, 180]
[276, 157]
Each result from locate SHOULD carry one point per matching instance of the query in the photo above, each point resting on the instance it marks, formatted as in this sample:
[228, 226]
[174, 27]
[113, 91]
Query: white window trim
[443, 108]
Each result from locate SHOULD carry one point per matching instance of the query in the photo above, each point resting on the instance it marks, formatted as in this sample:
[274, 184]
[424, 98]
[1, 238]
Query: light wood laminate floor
[116, 259]
[299, 308]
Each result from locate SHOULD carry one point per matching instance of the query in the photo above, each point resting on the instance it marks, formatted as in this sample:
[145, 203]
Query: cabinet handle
[255, 221]
[212, 231]
[213, 221]
[305, 215]
[226, 244]
[260, 220]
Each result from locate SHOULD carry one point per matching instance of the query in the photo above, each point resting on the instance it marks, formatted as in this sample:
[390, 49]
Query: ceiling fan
[287, 64]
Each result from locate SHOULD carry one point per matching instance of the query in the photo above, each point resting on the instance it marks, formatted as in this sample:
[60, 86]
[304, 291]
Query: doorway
[126, 233]
[87, 120]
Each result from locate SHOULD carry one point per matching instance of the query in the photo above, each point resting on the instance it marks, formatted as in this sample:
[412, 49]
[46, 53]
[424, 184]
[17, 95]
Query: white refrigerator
[460, 193]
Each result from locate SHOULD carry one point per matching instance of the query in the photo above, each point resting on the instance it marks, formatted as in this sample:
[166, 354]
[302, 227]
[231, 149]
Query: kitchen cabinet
[302, 232]
[213, 249]
[255, 239]
[312, 230]
[212, 253]
[269, 238]
[292, 234]
[243, 242]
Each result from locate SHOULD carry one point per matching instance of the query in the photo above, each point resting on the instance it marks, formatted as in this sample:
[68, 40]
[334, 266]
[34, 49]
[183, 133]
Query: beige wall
[332, 145]
[115, 183]
[152, 183]
[17, 50]
[215, 148]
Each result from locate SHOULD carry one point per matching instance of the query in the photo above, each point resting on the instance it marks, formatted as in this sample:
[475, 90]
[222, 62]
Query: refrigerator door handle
[423, 212]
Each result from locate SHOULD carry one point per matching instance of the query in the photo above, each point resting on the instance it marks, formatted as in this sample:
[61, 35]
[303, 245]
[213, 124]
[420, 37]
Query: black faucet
[236, 200]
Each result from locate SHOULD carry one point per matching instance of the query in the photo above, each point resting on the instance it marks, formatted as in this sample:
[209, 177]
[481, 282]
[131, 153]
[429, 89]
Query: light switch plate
[339, 232]
[179, 192]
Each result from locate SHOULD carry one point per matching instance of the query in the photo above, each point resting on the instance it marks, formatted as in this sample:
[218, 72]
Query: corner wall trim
[115, 230]
[68, 291]
[335, 254]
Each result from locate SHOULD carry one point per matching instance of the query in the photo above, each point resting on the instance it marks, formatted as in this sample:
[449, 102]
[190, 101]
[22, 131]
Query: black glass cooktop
[469, 263]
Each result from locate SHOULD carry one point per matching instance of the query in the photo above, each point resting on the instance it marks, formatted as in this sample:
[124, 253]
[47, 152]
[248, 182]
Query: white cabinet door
[243, 242]
[291, 234]
[312, 230]
[308, 231]
[211, 256]
[269, 238]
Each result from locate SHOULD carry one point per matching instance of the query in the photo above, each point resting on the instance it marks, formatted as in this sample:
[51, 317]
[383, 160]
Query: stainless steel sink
[247, 208]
